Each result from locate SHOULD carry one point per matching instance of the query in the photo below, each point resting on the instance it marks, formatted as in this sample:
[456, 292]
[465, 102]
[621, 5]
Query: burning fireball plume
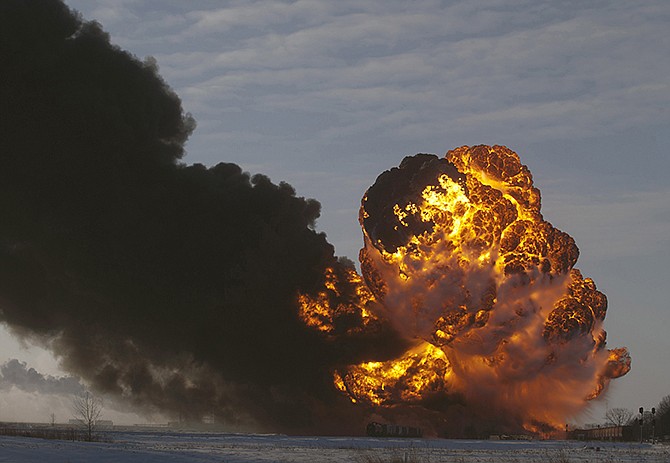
[459, 259]
[204, 291]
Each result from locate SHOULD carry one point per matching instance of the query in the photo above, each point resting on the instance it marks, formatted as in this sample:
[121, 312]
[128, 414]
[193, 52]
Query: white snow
[153, 447]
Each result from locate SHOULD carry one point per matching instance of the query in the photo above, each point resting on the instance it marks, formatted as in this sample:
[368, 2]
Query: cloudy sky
[326, 95]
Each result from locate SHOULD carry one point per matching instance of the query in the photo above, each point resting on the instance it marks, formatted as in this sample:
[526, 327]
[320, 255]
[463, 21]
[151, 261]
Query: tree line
[655, 421]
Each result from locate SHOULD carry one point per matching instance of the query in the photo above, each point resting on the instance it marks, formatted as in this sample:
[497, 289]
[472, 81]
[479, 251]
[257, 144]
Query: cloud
[258, 15]
[549, 71]
[407, 73]
[615, 224]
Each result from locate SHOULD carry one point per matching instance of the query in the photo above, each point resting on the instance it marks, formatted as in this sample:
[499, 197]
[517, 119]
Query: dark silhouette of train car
[375, 429]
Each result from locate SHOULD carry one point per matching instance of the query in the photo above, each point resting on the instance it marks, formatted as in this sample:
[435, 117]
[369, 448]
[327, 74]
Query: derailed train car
[375, 429]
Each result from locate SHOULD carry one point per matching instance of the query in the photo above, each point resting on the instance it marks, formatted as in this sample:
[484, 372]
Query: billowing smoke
[14, 373]
[48, 392]
[171, 285]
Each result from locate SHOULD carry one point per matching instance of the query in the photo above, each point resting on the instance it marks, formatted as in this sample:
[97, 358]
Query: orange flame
[459, 259]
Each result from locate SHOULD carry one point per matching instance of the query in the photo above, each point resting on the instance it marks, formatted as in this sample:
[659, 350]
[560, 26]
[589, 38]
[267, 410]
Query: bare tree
[618, 416]
[87, 408]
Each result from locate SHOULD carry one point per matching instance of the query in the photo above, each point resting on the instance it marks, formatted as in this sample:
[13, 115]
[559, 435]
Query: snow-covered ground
[153, 447]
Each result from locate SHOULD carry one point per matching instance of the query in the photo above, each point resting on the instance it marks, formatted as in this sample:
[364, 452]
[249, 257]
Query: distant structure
[99, 424]
[606, 433]
[510, 437]
[375, 429]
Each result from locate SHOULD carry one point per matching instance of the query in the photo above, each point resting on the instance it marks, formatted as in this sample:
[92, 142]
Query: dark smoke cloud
[170, 284]
[14, 373]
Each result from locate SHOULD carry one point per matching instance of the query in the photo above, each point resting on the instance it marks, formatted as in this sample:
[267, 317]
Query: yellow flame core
[486, 289]
[322, 311]
[407, 379]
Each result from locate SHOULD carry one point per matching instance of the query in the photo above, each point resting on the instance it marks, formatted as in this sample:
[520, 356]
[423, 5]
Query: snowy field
[151, 447]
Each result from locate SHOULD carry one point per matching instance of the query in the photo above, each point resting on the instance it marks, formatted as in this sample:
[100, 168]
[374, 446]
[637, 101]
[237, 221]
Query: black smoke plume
[169, 284]
[14, 373]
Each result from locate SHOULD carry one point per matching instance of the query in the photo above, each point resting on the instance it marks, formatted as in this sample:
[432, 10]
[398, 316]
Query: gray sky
[326, 95]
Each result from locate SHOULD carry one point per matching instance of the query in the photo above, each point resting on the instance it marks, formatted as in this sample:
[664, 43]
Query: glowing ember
[458, 258]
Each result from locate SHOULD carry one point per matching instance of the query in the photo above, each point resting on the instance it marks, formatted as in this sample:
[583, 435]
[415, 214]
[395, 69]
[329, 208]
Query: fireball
[458, 258]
